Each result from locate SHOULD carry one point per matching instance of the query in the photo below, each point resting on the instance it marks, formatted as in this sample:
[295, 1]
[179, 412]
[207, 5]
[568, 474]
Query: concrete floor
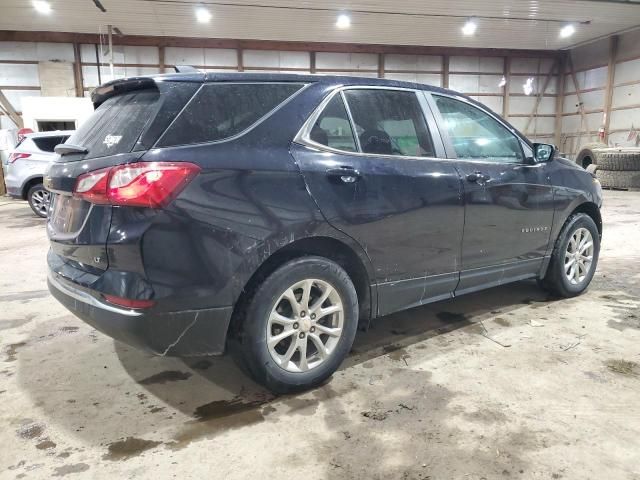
[505, 383]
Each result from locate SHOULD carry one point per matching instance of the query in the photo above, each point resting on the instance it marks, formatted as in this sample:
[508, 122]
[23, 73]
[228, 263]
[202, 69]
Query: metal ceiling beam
[193, 42]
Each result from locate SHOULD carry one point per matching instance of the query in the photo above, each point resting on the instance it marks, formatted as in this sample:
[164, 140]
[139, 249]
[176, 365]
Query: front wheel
[299, 325]
[39, 199]
[574, 258]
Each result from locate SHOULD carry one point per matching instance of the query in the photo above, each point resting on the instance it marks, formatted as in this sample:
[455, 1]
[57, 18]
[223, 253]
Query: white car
[26, 165]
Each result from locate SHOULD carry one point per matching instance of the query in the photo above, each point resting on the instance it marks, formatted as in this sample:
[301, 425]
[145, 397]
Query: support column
[611, 73]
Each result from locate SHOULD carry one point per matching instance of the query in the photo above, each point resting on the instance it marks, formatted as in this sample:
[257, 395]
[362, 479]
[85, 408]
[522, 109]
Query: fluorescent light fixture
[503, 82]
[567, 31]
[42, 7]
[528, 86]
[344, 21]
[470, 27]
[203, 15]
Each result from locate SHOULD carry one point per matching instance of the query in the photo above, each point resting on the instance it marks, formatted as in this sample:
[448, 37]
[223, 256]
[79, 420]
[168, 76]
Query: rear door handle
[477, 177]
[344, 174]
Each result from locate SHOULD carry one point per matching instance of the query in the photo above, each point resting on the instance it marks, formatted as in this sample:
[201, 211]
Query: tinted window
[390, 122]
[115, 125]
[219, 111]
[475, 134]
[333, 128]
[132, 120]
[47, 144]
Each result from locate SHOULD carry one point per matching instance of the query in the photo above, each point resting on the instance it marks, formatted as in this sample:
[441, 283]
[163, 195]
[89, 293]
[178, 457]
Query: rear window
[132, 120]
[219, 111]
[47, 144]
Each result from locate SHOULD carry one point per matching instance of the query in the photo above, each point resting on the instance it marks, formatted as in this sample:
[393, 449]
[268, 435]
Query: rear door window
[221, 110]
[390, 122]
[333, 128]
[47, 144]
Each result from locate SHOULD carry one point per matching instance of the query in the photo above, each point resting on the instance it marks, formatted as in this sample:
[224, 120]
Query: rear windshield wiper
[65, 148]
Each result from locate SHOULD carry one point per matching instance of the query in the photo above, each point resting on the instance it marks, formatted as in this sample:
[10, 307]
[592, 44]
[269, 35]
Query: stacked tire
[619, 170]
[589, 154]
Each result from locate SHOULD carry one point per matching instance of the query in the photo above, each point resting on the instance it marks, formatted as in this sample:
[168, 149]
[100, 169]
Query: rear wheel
[39, 199]
[299, 325]
[574, 258]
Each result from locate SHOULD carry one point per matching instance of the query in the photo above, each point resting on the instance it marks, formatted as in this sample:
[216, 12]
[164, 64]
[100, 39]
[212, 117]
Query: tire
[620, 161]
[593, 168]
[556, 279]
[38, 199]
[589, 154]
[269, 366]
[619, 179]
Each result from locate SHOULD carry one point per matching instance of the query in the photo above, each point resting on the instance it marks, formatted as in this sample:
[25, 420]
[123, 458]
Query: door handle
[477, 177]
[344, 174]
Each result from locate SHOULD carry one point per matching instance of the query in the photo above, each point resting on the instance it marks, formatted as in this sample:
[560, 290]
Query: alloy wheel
[305, 325]
[578, 257]
[40, 201]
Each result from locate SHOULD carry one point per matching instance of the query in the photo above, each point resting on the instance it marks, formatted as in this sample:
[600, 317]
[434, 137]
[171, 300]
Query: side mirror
[543, 152]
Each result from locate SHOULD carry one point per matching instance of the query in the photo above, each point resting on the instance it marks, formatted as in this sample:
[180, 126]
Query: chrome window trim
[303, 136]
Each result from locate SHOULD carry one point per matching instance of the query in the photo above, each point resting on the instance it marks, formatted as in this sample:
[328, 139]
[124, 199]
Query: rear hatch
[129, 117]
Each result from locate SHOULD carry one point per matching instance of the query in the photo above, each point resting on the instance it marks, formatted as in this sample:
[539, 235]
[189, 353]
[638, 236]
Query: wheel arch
[590, 209]
[30, 182]
[323, 246]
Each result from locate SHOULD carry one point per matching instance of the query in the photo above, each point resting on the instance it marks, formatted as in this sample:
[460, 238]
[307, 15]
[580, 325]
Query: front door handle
[344, 174]
[477, 177]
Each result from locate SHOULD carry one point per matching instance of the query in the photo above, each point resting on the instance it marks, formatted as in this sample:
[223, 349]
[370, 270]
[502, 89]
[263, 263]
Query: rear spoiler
[115, 87]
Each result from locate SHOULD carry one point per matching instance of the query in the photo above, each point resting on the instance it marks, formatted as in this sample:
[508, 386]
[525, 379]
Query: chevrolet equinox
[274, 213]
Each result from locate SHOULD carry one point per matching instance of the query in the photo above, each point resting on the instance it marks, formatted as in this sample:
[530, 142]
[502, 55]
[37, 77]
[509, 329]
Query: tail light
[17, 156]
[144, 184]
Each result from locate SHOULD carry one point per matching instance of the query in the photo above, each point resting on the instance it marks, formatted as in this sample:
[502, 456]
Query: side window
[222, 110]
[390, 122]
[333, 128]
[47, 144]
[475, 134]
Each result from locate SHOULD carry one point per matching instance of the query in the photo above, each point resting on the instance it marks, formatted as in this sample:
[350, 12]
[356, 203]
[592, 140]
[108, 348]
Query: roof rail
[185, 69]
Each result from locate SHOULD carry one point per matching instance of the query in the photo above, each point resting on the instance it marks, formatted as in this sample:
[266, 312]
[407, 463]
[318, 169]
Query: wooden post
[578, 95]
[611, 73]
[312, 62]
[507, 86]
[381, 65]
[161, 61]
[8, 108]
[445, 71]
[240, 60]
[562, 66]
[77, 70]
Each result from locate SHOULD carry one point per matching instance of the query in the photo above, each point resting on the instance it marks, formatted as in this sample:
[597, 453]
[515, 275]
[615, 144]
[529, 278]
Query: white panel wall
[478, 77]
[590, 62]
[416, 63]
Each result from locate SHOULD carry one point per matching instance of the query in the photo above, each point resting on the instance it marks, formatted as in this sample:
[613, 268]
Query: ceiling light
[470, 27]
[42, 7]
[344, 21]
[567, 31]
[503, 82]
[203, 15]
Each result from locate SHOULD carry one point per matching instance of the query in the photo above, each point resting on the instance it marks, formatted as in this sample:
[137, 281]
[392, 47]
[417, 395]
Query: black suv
[273, 213]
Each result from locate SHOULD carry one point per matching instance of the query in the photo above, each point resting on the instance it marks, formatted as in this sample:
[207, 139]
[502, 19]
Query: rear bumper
[183, 333]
